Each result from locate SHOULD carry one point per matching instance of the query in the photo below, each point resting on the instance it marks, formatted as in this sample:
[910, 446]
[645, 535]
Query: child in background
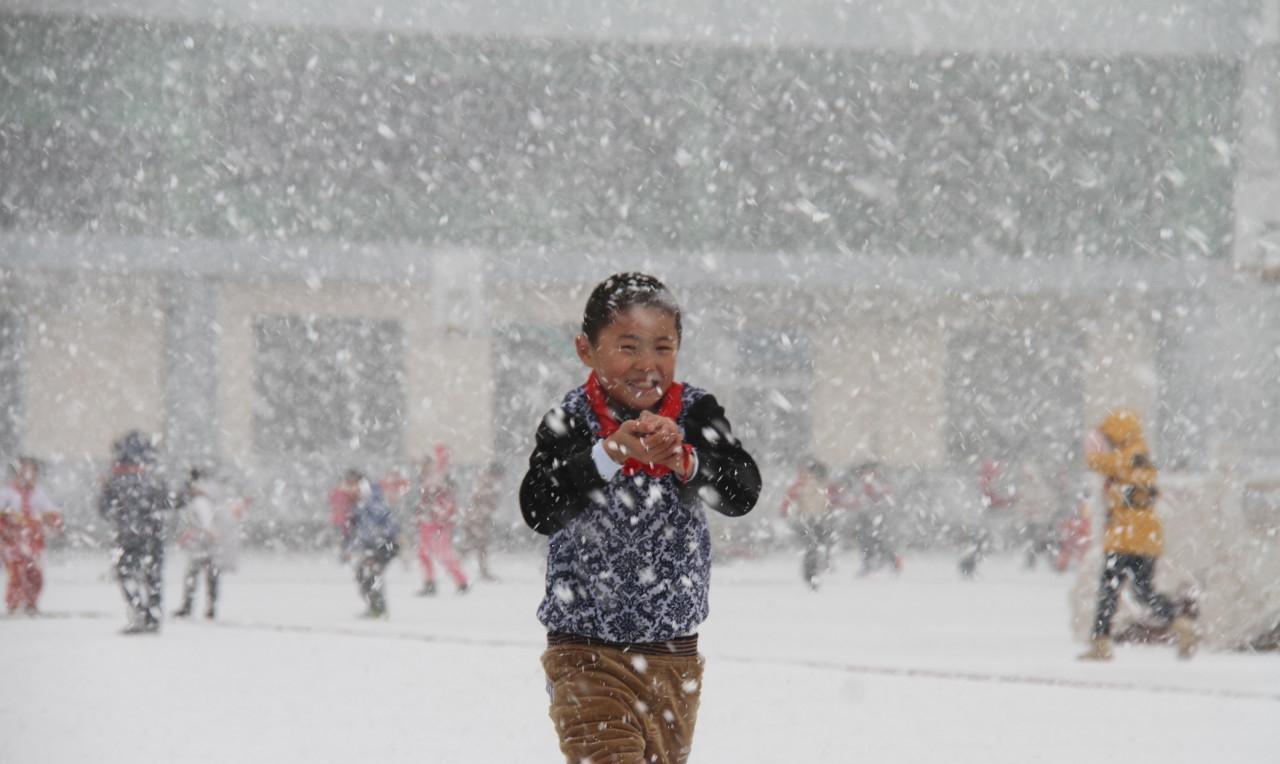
[135, 499]
[619, 480]
[874, 523]
[436, 511]
[210, 526]
[1076, 532]
[342, 500]
[1134, 537]
[25, 511]
[478, 518]
[808, 507]
[373, 543]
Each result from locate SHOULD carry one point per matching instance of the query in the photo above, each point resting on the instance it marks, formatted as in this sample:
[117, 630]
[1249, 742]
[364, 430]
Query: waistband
[679, 647]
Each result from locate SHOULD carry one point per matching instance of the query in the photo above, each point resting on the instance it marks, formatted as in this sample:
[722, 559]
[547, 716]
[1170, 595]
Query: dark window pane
[1014, 394]
[329, 385]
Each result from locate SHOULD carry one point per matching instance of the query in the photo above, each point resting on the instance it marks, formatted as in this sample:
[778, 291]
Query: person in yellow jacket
[1134, 538]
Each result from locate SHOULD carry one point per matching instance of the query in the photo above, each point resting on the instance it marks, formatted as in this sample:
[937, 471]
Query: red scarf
[670, 406]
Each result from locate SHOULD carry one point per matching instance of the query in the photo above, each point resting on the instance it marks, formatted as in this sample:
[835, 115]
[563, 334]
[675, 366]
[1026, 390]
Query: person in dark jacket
[373, 543]
[619, 480]
[135, 500]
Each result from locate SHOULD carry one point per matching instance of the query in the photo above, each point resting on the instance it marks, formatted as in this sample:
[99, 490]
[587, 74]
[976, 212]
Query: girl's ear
[585, 352]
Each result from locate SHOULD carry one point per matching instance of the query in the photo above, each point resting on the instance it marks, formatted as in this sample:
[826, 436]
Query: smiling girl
[619, 480]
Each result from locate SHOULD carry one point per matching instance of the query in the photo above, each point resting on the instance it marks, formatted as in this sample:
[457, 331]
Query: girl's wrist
[614, 450]
[687, 463]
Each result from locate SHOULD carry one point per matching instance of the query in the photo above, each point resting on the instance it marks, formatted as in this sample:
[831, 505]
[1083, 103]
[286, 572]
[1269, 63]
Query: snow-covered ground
[923, 667]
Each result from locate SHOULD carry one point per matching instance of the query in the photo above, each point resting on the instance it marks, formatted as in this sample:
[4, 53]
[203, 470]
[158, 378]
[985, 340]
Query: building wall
[1257, 191]
[92, 361]
[879, 389]
[446, 373]
[944, 163]
[1120, 368]
[296, 133]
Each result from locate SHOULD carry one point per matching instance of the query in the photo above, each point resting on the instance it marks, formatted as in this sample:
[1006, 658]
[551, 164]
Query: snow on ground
[923, 667]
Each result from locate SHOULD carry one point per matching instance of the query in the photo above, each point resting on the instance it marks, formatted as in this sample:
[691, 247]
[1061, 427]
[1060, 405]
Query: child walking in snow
[342, 501]
[808, 507]
[1134, 537]
[436, 511]
[619, 480]
[25, 512]
[478, 522]
[135, 500]
[372, 544]
[210, 527]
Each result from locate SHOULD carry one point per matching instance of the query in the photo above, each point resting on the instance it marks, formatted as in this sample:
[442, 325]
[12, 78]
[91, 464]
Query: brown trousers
[611, 707]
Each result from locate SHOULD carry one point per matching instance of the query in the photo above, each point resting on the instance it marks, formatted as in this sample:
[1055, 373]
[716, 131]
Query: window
[1014, 394]
[775, 373]
[534, 366]
[329, 385]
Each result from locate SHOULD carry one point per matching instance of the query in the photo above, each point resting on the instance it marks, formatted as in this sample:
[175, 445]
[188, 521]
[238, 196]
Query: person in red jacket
[25, 512]
[809, 508]
[979, 538]
[436, 511]
[342, 500]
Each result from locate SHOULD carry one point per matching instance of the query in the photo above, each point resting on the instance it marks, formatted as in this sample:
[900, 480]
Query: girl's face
[634, 356]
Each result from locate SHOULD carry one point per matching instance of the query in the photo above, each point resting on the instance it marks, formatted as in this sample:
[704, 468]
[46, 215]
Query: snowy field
[920, 668]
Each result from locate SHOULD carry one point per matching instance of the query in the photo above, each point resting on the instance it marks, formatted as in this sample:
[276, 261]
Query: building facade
[289, 241]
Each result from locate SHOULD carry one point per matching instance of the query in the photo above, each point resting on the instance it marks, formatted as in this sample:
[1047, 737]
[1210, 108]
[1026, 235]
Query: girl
[619, 478]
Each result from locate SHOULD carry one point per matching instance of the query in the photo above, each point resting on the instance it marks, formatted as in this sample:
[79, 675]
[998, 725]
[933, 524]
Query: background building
[323, 233]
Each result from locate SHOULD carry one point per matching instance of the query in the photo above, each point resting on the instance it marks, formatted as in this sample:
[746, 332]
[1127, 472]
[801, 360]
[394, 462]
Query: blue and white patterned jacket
[629, 560]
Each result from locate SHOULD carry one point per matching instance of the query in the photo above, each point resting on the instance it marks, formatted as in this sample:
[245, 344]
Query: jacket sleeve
[1128, 465]
[107, 500]
[162, 498]
[1107, 463]
[727, 479]
[562, 475]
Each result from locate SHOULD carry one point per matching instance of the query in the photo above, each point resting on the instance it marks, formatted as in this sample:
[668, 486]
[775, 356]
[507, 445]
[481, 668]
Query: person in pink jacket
[25, 511]
[436, 512]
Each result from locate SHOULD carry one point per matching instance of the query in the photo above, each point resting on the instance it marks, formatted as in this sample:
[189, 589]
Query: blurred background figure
[479, 518]
[870, 504]
[374, 542]
[395, 487]
[342, 501]
[1074, 533]
[979, 538]
[1134, 536]
[210, 534]
[1036, 505]
[807, 506]
[436, 512]
[134, 500]
[25, 512]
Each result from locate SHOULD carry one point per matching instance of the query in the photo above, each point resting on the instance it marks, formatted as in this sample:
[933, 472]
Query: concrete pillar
[190, 364]
[11, 333]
